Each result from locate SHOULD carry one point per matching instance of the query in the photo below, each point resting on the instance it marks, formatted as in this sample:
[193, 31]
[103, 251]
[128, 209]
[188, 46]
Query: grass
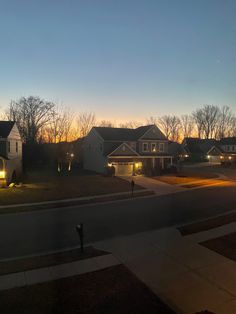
[185, 177]
[29, 263]
[112, 290]
[40, 186]
[207, 224]
[224, 245]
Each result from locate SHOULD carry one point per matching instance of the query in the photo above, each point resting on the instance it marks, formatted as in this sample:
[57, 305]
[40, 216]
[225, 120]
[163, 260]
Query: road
[40, 231]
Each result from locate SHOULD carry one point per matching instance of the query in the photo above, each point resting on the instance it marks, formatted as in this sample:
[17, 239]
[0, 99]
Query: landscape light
[2, 174]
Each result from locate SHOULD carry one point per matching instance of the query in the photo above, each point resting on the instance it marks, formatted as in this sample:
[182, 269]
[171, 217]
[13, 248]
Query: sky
[123, 60]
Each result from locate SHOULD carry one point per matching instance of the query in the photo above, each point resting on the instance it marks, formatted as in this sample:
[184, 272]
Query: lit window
[145, 147]
[153, 147]
[161, 147]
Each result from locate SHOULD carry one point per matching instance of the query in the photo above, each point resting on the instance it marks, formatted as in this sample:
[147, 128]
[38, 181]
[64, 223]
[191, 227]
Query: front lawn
[40, 186]
[185, 177]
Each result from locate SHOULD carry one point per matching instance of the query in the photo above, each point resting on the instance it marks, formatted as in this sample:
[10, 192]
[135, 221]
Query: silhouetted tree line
[41, 121]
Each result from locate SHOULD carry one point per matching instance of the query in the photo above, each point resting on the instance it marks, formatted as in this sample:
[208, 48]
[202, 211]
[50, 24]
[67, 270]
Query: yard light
[2, 174]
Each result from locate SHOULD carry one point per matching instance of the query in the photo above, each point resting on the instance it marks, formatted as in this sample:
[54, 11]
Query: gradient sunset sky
[122, 59]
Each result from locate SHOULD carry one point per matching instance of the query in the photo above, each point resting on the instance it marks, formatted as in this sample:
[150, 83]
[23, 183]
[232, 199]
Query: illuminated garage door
[124, 169]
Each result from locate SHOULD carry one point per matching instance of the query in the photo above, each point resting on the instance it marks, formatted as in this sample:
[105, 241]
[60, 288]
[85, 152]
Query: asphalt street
[41, 231]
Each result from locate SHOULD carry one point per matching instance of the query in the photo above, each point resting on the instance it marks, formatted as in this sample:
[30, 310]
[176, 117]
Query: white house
[10, 153]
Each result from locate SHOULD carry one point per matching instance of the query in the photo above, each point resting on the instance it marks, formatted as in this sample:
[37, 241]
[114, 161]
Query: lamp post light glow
[2, 174]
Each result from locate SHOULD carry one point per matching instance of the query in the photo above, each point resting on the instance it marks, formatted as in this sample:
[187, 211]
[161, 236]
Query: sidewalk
[51, 273]
[70, 201]
[160, 188]
[187, 276]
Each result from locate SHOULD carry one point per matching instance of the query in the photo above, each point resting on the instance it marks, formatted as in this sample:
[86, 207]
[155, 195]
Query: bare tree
[225, 122]
[107, 124]
[85, 122]
[206, 120]
[170, 126]
[60, 127]
[31, 115]
[152, 120]
[187, 125]
[130, 125]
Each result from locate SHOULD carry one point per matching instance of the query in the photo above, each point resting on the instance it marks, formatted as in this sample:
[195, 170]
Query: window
[161, 147]
[153, 147]
[9, 147]
[145, 147]
[16, 147]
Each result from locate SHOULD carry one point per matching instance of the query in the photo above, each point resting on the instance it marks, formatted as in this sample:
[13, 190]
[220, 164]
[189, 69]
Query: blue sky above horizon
[123, 60]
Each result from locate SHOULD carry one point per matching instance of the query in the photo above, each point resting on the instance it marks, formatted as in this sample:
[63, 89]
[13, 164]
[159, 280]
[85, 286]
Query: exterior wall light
[2, 174]
[221, 157]
[230, 157]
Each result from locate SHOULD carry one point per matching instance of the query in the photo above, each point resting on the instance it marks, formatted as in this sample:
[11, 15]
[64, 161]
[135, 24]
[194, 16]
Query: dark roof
[5, 128]
[198, 146]
[228, 141]
[175, 148]
[123, 134]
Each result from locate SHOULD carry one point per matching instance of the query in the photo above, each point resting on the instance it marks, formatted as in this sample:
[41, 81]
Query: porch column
[153, 162]
[162, 163]
[171, 161]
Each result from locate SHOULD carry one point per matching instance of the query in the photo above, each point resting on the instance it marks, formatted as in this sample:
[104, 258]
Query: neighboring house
[224, 151]
[129, 151]
[197, 149]
[178, 151]
[10, 152]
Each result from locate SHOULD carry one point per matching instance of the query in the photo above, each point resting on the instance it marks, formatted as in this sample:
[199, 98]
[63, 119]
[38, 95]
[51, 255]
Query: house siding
[94, 159]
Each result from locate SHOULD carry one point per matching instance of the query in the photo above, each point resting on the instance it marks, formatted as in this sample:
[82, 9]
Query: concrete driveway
[160, 188]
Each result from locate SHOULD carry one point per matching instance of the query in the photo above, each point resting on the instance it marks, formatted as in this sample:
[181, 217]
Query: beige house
[10, 153]
[130, 151]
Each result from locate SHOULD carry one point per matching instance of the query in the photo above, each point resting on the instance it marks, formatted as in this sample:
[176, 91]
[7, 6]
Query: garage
[124, 169]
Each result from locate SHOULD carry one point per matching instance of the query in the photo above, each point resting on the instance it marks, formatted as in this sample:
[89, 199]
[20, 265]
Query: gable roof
[123, 134]
[198, 146]
[5, 128]
[228, 141]
[129, 151]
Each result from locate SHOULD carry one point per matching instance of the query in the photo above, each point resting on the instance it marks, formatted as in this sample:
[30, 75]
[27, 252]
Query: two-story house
[224, 151]
[129, 151]
[10, 153]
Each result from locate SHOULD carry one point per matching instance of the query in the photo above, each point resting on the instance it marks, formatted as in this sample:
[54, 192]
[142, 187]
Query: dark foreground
[112, 290]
